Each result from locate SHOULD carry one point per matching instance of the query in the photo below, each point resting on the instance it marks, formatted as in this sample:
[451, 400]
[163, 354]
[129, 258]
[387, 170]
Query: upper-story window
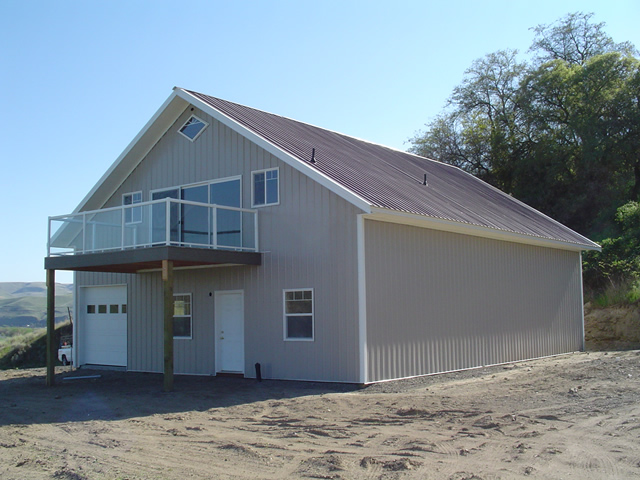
[132, 214]
[193, 127]
[265, 189]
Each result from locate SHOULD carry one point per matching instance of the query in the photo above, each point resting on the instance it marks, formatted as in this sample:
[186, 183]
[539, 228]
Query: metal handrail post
[122, 217]
[255, 230]
[214, 227]
[49, 238]
[167, 221]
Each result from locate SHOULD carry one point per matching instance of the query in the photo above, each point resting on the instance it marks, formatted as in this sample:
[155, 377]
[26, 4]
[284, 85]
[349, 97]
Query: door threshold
[230, 374]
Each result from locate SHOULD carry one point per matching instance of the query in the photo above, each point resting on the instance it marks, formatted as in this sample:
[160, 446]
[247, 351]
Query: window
[91, 309]
[182, 315]
[265, 187]
[298, 314]
[193, 127]
[132, 214]
[192, 223]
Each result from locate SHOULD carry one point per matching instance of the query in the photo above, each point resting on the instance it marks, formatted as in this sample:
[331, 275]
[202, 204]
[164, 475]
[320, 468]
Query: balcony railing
[168, 222]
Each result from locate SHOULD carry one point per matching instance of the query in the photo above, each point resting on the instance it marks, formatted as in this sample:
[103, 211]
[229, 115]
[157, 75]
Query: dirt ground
[573, 416]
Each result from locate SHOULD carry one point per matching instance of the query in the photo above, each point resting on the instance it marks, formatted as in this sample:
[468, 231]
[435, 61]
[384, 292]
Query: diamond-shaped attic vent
[193, 127]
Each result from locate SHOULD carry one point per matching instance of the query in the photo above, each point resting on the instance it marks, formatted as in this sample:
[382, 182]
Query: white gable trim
[393, 216]
[277, 152]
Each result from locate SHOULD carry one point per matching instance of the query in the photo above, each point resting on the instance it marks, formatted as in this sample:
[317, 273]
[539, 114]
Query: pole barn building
[225, 237]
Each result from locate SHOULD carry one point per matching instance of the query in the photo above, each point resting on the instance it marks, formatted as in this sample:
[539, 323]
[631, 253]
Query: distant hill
[24, 304]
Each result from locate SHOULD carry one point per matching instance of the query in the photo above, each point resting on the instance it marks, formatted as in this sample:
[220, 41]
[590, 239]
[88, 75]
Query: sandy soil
[613, 328]
[574, 416]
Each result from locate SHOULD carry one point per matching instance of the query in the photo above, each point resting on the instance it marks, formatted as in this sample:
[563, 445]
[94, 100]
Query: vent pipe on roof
[313, 155]
[424, 182]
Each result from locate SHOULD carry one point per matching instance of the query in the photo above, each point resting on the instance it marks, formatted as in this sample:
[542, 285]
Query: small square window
[114, 308]
[124, 308]
[102, 309]
[91, 309]
[265, 188]
[193, 127]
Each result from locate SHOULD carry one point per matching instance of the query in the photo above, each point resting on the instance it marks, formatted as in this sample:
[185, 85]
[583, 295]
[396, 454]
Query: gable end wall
[308, 241]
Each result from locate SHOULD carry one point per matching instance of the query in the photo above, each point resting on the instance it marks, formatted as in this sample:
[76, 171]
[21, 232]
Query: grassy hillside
[22, 289]
[25, 304]
[22, 347]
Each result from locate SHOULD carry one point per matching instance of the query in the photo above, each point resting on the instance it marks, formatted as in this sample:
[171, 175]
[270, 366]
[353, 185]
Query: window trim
[206, 124]
[133, 209]
[285, 315]
[253, 190]
[190, 316]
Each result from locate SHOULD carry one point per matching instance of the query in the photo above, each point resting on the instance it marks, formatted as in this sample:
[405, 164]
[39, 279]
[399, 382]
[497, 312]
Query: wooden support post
[167, 283]
[51, 326]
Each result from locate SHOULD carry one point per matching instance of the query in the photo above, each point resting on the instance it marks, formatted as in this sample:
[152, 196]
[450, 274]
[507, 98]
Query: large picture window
[298, 314]
[265, 189]
[182, 315]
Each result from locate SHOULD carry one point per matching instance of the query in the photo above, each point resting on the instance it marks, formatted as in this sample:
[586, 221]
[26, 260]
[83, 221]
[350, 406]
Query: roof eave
[405, 218]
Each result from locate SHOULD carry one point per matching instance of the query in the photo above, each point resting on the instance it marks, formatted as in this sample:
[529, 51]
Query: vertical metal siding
[309, 241]
[439, 301]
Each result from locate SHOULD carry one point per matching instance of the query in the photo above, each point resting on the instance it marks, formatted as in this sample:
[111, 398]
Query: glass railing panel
[188, 224]
[195, 225]
[65, 235]
[137, 227]
[103, 230]
[249, 234]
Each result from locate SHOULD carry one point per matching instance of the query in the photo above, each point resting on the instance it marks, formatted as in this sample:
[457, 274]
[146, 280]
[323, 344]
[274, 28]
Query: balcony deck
[137, 238]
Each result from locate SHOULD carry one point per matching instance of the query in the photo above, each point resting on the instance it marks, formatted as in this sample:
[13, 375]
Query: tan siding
[309, 241]
[440, 301]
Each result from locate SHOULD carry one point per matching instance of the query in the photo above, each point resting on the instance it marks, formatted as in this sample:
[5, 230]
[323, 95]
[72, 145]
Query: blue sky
[79, 79]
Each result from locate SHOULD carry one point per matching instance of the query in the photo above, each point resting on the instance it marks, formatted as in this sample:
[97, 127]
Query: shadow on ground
[25, 399]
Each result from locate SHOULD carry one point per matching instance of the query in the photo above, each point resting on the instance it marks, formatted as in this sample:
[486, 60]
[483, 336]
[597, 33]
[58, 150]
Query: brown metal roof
[392, 179]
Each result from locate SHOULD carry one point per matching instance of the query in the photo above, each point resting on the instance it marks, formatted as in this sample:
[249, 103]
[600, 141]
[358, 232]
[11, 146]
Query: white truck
[65, 352]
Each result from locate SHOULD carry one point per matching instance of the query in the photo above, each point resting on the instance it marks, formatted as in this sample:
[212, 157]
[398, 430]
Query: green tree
[574, 40]
[583, 139]
[619, 261]
[561, 133]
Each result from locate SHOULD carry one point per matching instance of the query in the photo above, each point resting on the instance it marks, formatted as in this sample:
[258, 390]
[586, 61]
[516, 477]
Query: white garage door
[104, 327]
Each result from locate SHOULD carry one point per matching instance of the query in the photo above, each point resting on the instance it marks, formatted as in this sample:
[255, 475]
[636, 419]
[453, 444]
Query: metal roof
[391, 179]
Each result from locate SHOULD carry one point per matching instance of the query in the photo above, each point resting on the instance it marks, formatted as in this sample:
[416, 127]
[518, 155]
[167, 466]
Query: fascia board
[276, 151]
[137, 149]
[444, 225]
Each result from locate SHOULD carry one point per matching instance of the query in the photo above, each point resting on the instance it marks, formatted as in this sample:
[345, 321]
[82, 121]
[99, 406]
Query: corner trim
[362, 301]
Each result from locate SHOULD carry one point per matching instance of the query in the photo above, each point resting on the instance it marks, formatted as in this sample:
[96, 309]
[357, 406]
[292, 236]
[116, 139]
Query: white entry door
[229, 322]
[103, 329]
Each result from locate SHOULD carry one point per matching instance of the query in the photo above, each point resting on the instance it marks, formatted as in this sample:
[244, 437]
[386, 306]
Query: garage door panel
[104, 334]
